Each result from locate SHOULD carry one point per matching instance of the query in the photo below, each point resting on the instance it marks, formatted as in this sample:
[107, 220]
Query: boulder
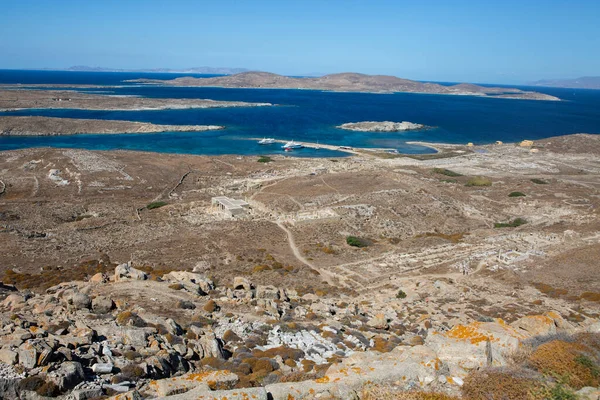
[67, 376]
[8, 356]
[13, 301]
[28, 355]
[198, 381]
[240, 283]
[209, 346]
[378, 322]
[165, 364]
[102, 368]
[192, 282]
[98, 278]
[479, 344]
[534, 325]
[588, 393]
[125, 272]
[200, 392]
[102, 305]
[268, 292]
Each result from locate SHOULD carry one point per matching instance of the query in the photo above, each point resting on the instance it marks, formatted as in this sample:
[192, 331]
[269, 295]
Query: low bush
[156, 204]
[264, 159]
[479, 181]
[516, 194]
[446, 172]
[356, 241]
[401, 294]
[539, 181]
[512, 224]
[128, 318]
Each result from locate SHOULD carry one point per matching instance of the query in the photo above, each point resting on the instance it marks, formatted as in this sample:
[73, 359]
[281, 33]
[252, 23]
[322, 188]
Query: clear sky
[499, 41]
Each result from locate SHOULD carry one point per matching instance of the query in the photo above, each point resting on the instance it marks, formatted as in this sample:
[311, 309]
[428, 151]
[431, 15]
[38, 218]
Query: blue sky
[504, 41]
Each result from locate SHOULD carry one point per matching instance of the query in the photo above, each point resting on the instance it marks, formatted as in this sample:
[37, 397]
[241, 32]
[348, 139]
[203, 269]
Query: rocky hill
[347, 82]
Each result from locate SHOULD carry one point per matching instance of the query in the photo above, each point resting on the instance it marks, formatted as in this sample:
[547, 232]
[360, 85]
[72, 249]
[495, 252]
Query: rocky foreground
[23, 99]
[48, 126]
[383, 126]
[85, 340]
[349, 82]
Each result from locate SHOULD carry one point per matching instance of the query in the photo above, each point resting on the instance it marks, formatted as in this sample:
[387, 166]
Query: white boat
[292, 145]
[266, 141]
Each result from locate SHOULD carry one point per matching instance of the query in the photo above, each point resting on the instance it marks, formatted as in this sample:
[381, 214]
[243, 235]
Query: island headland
[49, 126]
[25, 99]
[348, 82]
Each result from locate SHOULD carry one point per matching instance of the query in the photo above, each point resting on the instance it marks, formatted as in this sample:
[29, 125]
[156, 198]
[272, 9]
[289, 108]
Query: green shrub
[512, 224]
[559, 392]
[539, 181]
[264, 159]
[156, 204]
[355, 241]
[516, 194]
[479, 181]
[401, 294]
[446, 172]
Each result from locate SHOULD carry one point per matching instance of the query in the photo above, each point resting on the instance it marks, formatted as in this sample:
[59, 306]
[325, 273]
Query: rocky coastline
[49, 126]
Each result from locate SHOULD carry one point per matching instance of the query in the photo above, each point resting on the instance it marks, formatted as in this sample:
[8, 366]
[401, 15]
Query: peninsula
[24, 99]
[383, 126]
[48, 126]
[347, 82]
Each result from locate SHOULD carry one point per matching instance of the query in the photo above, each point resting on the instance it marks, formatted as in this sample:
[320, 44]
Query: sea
[307, 115]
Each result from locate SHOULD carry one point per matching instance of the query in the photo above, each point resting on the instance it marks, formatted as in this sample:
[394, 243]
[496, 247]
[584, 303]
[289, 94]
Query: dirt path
[326, 275]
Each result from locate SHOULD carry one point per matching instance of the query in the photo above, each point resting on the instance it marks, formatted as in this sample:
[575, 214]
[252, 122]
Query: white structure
[231, 207]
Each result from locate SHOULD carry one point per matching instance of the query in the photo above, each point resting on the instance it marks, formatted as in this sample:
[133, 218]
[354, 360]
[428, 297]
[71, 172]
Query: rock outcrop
[383, 126]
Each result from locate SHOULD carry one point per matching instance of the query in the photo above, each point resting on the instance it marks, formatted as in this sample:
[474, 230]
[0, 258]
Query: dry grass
[452, 237]
[502, 384]
[573, 363]
[51, 276]
[386, 392]
[546, 367]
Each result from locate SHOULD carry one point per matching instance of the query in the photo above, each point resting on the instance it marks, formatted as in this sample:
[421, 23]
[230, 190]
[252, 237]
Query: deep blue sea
[307, 115]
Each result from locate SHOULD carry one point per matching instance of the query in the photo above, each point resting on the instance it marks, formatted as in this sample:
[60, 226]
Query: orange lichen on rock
[469, 332]
[324, 379]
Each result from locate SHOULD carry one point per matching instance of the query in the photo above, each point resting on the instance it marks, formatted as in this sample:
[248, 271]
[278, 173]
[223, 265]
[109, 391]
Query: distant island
[348, 82]
[22, 99]
[383, 126]
[193, 70]
[49, 126]
[585, 82]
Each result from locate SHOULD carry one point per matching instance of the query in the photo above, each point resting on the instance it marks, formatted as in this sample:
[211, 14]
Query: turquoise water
[311, 116]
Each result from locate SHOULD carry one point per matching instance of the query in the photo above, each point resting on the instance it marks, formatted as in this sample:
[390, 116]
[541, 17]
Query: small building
[231, 207]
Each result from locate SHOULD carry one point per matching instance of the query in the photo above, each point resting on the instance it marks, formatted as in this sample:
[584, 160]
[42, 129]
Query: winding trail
[327, 276]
